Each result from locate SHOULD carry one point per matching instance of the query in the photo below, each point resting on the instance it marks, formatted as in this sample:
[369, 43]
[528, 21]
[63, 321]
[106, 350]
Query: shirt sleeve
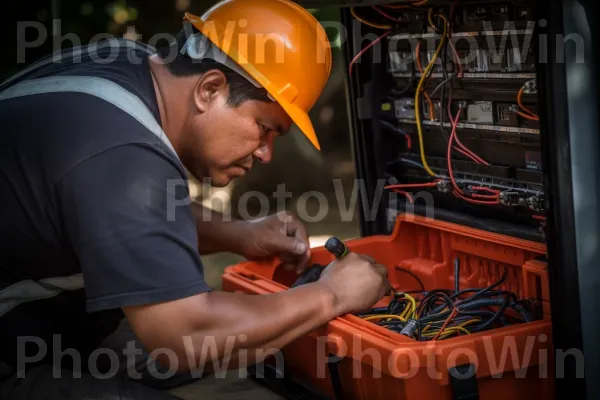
[127, 216]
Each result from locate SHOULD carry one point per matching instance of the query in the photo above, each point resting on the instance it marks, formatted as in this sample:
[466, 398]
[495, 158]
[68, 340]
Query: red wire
[411, 185]
[477, 159]
[486, 189]
[454, 122]
[485, 196]
[456, 56]
[526, 116]
[408, 140]
[388, 16]
[471, 156]
[494, 196]
[418, 56]
[408, 196]
[452, 315]
[457, 191]
[475, 201]
[449, 154]
[540, 217]
[360, 53]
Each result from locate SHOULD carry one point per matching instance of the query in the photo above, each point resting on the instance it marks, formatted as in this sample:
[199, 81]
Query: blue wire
[393, 127]
[416, 163]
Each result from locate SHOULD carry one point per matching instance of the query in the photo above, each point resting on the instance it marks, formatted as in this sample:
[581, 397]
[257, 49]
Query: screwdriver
[336, 247]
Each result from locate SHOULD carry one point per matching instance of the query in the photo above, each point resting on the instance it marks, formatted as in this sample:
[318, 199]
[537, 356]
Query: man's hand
[281, 234]
[266, 322]
[356, 281]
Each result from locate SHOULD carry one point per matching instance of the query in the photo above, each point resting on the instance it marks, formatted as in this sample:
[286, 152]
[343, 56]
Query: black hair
[240, 89]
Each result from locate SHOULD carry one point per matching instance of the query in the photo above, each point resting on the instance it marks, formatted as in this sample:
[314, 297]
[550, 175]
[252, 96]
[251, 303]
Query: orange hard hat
[279, 44]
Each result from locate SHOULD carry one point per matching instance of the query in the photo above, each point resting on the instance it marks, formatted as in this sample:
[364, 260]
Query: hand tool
[336, 247]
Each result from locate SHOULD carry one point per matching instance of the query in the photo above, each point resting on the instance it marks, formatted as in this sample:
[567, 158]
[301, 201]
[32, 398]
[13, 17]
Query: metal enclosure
[568, 108]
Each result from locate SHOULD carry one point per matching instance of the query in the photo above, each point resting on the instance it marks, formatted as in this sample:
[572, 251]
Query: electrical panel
[454, 108]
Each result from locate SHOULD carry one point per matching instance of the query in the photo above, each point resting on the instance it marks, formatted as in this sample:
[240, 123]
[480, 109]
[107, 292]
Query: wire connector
[509, 198]
[444, 186]
[410, 328]
[530, 87]
[536, 203]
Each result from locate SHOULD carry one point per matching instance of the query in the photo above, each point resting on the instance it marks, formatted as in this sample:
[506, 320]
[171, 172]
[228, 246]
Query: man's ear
[210, 85]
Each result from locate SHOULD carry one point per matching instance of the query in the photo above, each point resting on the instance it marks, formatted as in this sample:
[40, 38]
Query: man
[93, 160]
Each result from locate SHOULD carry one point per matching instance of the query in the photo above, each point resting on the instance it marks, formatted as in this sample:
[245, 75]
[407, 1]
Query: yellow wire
[458, 328]
[406, 313]
[461, 326]
[418, 94]
[369, 23]
[418, 3]
[413, 303]
[429, 14]
[449, 331]
[469, 322]
[381, 316]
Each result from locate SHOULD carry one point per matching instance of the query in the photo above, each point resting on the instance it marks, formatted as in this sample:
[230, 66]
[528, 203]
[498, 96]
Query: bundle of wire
[440, 314]
[474, 194]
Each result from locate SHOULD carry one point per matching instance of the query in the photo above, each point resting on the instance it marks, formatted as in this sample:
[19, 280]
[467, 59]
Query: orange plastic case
[373, 362]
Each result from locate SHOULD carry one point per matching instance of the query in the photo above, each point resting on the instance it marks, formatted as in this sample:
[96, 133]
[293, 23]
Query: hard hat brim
[297, 115]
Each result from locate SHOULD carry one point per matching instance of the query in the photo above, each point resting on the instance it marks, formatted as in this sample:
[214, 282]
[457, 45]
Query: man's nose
[264, 153]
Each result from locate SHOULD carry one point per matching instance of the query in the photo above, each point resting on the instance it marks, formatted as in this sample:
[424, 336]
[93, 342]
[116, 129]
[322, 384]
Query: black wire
[376, 310]
[488, 323]
[492, 286]
[518, 307]
[443, 83]
[479, 293]
[443, 113]
[434, 317]
[425, 304]
[397, 305]
[413, 275]
[393, 128]
[489, 293]
[456, 274]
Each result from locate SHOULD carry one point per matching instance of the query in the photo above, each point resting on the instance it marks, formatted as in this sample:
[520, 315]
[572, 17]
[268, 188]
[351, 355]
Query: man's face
[222, 142]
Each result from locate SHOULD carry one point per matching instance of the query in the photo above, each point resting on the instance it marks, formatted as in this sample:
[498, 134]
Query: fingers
[301, 254]
[294, 252]
[387, 285]
[384, 272]
[302, 236]
[381, 269]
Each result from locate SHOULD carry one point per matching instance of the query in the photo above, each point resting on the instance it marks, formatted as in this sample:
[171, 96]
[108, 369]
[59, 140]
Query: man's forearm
[259, 325]
[215, 232]
[207, 330]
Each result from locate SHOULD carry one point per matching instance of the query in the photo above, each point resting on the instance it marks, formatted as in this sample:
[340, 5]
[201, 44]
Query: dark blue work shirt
[84, 189]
